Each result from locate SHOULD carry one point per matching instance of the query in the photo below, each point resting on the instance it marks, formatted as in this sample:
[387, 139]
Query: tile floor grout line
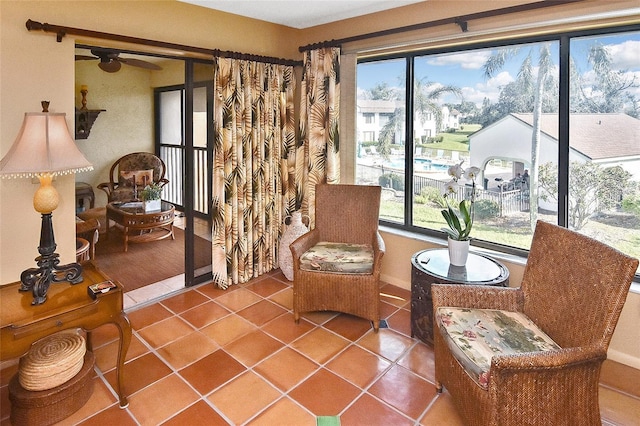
[177, 373]
[323, 324]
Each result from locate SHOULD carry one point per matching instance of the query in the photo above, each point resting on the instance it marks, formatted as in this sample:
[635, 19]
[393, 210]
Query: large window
[553, 144]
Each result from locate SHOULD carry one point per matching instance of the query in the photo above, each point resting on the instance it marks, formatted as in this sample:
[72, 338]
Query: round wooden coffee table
[138, 226]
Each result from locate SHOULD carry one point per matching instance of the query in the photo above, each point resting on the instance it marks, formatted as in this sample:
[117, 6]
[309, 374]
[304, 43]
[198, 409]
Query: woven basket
[52, 361]
[47, 407]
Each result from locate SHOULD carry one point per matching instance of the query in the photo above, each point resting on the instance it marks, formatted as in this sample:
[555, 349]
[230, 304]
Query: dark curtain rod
[61, 31]
[461, 21]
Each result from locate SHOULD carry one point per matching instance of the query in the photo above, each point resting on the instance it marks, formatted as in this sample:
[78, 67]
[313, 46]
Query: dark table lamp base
[48, 271]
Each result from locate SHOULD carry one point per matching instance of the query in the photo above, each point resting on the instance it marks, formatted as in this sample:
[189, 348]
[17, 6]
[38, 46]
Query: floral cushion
[342, 258]
[475, 335]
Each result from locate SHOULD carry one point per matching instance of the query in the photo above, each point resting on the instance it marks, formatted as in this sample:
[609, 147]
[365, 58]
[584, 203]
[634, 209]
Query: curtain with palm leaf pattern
[318, 152]
[254, 139]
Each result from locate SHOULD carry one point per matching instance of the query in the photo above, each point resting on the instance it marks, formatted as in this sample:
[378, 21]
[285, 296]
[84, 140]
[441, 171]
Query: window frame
[563, 38]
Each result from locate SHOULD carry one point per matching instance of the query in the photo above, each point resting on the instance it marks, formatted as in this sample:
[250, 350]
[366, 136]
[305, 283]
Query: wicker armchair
[573, 289]
[344, 214]
[131, 171]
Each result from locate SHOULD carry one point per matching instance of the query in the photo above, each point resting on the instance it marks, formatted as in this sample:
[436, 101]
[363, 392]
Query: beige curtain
[318, 152]
[254, 133]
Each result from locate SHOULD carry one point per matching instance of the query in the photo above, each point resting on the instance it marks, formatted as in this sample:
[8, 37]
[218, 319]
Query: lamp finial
[45, 106]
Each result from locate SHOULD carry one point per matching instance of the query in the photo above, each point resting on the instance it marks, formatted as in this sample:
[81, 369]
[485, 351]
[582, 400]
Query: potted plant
[151, 197]
[459, 217]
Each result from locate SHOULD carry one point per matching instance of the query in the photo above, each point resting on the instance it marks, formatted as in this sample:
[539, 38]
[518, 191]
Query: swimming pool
[419, 165]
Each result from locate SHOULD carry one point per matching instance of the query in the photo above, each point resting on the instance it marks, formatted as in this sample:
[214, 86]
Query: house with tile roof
[606, 139]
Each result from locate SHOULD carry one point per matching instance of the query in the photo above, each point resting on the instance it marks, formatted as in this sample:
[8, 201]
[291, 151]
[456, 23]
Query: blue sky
[465, 70]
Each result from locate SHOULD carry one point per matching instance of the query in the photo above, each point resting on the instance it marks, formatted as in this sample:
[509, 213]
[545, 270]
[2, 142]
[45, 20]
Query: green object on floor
[328, 421]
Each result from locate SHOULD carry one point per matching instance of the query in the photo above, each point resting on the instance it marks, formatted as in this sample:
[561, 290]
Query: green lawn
[457, 141]
[515, 231]
[429, 216]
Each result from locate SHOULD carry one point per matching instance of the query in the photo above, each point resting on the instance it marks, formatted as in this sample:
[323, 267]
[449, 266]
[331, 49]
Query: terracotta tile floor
[211, 357]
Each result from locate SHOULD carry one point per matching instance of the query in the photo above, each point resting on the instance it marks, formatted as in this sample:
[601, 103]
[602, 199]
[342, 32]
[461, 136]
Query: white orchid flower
[456, 171]
[472, 173]
[450, 188]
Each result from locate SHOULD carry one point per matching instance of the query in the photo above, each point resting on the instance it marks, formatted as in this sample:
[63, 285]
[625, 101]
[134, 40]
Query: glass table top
[479, 268]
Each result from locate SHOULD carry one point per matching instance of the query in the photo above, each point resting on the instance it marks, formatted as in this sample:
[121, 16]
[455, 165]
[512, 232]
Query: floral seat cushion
[342, 258]
[475, 335]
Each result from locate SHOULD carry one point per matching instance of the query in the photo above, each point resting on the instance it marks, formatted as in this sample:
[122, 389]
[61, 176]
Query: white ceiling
[301, 13]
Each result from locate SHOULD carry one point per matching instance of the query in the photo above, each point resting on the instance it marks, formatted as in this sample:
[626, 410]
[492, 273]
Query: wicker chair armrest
[302, 244]
[107, 187]
[378, 252]
[521, 383]
[87, 226]
[378, 244]
[544, 362]
[477, 296]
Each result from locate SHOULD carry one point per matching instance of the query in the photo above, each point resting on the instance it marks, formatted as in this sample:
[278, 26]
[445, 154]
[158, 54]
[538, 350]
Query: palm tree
[426, 96]
[529, 83]
[609, 92]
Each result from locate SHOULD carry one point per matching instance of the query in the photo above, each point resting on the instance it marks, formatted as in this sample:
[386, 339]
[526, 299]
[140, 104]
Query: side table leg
[124, 328]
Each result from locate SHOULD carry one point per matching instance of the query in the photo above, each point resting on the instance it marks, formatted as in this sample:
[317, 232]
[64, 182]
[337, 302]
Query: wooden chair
[344, 214]
[573, 289]
[87, 230]
[82, 250]
[134, 170]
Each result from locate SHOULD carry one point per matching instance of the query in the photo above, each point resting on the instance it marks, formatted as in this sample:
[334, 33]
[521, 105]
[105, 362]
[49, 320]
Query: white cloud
[489, 89]
[471, 60]
[625, 55]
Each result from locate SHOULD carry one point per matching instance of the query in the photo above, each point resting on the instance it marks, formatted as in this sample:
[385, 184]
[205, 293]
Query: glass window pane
[200, 117]
[381, 133]
[604, 171]
[477, 108]
[171, 117]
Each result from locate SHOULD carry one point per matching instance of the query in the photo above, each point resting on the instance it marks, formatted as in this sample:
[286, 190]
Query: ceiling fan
[110, 60]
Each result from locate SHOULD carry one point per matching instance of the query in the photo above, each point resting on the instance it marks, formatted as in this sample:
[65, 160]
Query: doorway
[130, 123]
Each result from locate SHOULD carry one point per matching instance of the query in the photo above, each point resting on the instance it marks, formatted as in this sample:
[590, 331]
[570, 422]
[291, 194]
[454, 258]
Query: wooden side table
[68, 306]
[432, 266]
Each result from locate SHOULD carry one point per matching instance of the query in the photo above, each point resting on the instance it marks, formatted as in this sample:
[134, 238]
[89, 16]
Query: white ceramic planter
[295, 229]
[458, 252]
[151, 205]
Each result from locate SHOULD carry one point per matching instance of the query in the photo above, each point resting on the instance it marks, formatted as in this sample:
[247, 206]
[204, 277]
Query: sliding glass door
[183, 140]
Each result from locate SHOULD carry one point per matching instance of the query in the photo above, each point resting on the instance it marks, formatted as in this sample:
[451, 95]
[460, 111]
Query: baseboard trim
[623, 358]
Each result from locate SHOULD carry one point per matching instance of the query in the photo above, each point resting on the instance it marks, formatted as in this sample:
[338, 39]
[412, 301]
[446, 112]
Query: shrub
[631, 204]
[435, 139]
[391, 180]
[486, 209]
[429, 194]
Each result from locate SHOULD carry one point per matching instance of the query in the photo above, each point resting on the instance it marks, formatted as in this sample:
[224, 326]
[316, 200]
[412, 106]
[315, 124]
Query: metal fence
[508, 201]
[173, 156]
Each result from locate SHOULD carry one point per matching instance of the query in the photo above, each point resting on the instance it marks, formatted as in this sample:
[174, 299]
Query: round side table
[432, 266]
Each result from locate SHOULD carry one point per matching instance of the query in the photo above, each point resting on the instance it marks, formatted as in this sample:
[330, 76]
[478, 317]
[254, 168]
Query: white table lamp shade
[43, 145]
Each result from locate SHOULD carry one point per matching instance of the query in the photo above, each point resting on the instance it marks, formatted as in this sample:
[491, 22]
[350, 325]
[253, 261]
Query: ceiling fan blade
[140, 63]
[111, 66]
[85, 58]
